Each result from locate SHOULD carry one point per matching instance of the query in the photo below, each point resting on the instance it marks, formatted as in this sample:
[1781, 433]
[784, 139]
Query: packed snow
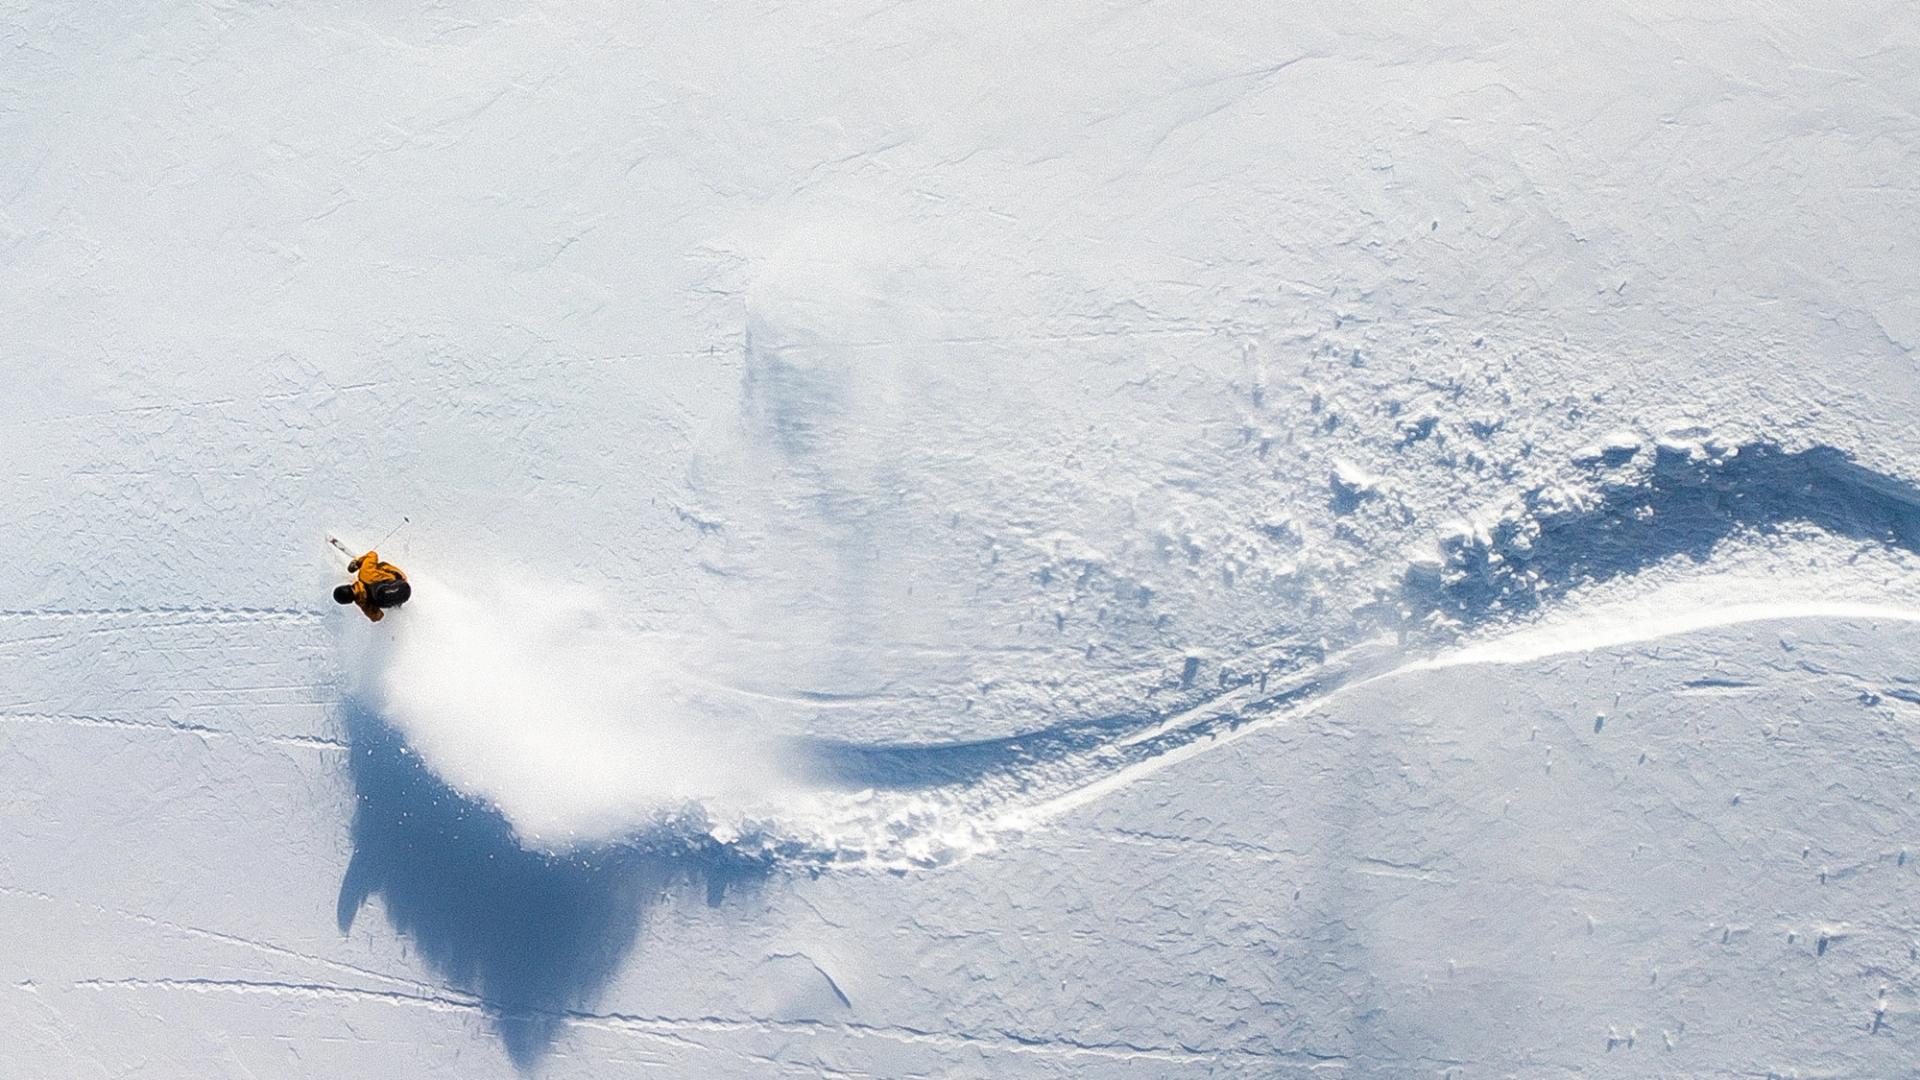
[1093, 539]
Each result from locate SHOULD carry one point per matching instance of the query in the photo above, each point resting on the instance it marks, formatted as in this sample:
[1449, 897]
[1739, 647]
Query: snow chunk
[1352, 484]
[1616, 448]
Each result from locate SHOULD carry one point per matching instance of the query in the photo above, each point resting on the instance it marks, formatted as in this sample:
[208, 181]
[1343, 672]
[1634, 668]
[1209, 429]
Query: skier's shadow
[534, 937]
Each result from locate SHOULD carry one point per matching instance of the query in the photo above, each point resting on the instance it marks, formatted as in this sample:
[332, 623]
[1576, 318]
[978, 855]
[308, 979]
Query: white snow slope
[1086, 539]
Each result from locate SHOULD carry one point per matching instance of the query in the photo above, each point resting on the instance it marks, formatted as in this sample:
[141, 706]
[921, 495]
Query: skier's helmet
[343, 594]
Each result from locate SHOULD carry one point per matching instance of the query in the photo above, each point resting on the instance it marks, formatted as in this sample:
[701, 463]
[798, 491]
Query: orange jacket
[369, 570]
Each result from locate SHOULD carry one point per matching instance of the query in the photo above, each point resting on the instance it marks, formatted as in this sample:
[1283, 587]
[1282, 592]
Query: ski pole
[383, 540]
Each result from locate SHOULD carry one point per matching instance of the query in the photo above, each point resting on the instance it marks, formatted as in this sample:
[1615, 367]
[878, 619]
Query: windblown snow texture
[1186, 540]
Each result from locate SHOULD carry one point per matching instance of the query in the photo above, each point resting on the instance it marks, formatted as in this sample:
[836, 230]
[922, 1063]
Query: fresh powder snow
[975, 540]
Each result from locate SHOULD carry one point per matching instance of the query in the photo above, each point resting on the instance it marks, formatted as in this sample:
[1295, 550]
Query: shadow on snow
[535, 937]
[834, 763]
[1679, 506]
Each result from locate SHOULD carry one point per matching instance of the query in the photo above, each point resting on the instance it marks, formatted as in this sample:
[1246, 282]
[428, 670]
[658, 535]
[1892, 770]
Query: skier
[375, 585]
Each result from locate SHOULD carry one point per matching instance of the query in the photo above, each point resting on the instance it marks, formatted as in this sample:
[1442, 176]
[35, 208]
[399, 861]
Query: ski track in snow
[1572, 636]
[188, 613]
[676, 1027]
[1608, 630]
[898, 806]
[312, 742]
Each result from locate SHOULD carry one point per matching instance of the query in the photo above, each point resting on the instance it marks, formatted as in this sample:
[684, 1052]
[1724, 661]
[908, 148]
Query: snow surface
[1089, 539]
